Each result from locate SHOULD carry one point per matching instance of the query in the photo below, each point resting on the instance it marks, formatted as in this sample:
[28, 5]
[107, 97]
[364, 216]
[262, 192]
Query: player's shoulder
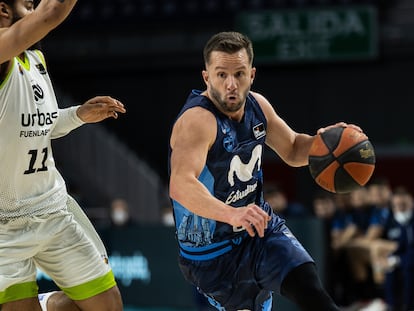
[195, 119]
[263, 102]
[260, 98]
[197, 113]
[196, 125]
[37, 54]
[257, 96]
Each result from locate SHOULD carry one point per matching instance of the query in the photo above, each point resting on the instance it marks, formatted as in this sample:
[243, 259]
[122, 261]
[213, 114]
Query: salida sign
[313, 34]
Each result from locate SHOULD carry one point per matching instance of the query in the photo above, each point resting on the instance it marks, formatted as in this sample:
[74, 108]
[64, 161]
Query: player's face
[228, 78]
[402, 208]
[402, 203]
[21, 9]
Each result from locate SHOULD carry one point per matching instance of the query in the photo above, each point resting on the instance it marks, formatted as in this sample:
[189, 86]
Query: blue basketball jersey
[235, 271]
[233, 174]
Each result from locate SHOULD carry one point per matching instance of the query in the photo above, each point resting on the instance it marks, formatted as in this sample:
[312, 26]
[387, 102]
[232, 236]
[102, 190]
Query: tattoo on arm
[61, 1]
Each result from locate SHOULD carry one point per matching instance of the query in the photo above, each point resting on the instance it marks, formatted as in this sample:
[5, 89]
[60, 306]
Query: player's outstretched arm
[35, 24]
[100, 108]
[93, 110]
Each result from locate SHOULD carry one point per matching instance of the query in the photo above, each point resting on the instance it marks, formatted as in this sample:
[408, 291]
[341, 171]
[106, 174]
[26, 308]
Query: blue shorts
[246, 277]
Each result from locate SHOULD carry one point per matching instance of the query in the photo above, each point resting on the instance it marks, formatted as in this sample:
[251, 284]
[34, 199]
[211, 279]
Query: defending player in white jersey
[37, 228]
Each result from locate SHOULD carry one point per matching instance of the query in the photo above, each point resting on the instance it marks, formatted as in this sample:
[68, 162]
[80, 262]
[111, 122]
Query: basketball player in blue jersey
[232, 247]
[38, 218]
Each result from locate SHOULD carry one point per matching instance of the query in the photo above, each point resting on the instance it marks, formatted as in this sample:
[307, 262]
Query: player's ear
[4, 10]
[204, 73]
[252, 74]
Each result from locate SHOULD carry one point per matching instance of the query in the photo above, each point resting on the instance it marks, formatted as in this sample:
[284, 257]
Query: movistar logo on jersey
[244, 172]
[38, 118]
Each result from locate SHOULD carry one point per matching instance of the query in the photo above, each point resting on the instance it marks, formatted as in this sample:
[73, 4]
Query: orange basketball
[341, 159]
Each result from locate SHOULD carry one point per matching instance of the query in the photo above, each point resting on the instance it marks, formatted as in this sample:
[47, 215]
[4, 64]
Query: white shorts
[59, 246]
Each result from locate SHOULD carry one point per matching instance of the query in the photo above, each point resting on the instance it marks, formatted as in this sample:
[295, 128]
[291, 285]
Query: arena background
[149, 55]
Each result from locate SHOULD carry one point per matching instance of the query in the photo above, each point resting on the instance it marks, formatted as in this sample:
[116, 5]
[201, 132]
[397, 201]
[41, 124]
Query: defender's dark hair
[228, 42]
[9, 2]
[12, 2]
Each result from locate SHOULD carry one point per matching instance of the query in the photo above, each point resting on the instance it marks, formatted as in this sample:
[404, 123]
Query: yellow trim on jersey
[24, 62]
[41, 56]
[91, 288]
[19, 291]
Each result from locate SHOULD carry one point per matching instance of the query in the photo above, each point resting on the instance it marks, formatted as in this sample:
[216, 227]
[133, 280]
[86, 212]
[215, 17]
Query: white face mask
[403, 217]
[119, 217]
[168, 219]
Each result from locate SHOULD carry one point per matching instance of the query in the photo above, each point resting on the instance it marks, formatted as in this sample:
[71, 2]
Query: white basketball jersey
[29, 181]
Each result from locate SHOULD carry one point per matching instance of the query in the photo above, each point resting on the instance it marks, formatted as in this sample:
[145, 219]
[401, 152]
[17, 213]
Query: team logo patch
[228, 141]
[38, 93]
[41, 68]
[259, 130]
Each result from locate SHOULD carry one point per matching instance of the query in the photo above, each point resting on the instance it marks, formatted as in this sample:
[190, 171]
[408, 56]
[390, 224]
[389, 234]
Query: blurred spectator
[342, 228]
[119, 226]
[167, 216]
[364, 224]
[324, 205]
[342, 231]
[379, 196]
[119, 213]
[341, 222]
[324, 208]
[277, 199]
[399, 260]
[166, 210]
[351, 219]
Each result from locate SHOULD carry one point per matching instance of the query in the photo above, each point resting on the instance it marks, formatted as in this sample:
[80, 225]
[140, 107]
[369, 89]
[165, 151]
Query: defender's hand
[100, 108]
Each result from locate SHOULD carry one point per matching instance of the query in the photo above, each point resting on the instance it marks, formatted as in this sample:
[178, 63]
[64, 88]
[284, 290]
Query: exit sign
[326, 34]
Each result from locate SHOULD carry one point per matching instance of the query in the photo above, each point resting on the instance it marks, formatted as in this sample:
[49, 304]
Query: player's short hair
[228, 42]
[9, 2]
[12, 2]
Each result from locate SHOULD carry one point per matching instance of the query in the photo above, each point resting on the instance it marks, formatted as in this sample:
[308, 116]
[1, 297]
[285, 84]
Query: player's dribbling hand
[339, 124]
[100, 108]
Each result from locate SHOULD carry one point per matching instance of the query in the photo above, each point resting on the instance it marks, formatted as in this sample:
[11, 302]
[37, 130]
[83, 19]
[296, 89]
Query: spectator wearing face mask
[399, 264]
[119, 226]
[119, 213]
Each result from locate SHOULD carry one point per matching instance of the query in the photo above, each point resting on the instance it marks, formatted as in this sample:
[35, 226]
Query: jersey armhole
[4, 73]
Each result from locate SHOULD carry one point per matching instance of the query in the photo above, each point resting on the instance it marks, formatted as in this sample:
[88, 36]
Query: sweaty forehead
[234, 60]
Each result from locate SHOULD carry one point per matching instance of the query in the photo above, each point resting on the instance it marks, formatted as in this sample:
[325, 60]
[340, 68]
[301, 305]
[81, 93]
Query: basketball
[341, 159]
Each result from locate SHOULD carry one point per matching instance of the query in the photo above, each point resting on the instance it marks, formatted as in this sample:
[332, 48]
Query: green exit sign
[328, 34]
